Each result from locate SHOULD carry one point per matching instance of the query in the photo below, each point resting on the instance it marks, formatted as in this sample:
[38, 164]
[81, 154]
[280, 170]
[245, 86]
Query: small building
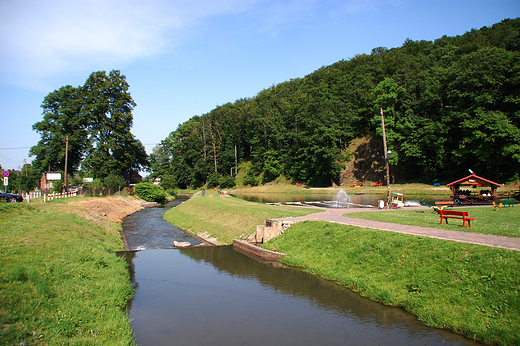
[474, 190]
[132, 177]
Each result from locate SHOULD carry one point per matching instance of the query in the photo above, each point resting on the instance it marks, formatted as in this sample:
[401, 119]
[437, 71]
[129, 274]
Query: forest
[449, 106]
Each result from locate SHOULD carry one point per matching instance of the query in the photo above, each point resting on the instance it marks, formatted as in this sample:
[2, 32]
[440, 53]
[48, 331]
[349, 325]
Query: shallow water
[218, 296]
[147, 229]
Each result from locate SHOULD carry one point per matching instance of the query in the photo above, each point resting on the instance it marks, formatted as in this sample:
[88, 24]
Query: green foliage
[168, 182]
[213, 181]
[95, 184]
[227, 182]
[57, 186]
[76, 181]
[449, 105]
[114, 181]
[95, 119]
[25, 180]
[150, 192]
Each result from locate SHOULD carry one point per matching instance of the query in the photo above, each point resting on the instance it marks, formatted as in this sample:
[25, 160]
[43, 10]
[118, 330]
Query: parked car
[10, 197]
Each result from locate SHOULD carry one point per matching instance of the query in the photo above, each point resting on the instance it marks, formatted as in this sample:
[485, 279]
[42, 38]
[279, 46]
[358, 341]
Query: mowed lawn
[227, 218]
[503, 222]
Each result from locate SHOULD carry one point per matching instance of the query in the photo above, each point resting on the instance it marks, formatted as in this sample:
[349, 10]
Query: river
[215, 295]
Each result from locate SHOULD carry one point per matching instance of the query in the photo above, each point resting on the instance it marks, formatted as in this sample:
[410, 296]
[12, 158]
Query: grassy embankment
[226, 218]
[58, 283]
[471, 289]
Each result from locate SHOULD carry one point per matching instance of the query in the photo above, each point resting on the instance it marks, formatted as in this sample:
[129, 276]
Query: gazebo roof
[472, 180]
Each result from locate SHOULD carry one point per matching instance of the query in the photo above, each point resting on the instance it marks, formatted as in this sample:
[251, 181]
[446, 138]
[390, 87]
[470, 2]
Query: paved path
[335, 215]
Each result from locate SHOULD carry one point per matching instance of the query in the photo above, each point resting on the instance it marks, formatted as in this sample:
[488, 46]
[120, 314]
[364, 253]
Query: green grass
[58, 283]
[226, 218]
[504, 222]
[471, 289]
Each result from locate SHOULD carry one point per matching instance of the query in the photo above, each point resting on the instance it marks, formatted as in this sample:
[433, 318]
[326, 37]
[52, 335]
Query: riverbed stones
[181, 244]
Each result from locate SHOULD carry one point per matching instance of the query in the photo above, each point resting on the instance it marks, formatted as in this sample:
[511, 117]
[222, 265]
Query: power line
[15, 148]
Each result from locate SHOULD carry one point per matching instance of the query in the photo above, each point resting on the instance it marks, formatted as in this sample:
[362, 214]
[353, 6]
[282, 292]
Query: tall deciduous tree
[62, 118]
[96, 118]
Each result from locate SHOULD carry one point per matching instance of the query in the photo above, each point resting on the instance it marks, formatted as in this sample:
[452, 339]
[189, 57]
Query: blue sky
[184, 57]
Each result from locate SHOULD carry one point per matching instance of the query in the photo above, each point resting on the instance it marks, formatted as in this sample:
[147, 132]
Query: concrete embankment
[257, 251]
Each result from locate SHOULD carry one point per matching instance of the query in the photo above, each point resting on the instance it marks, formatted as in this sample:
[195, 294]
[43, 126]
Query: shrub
[96, 184]
[150, 192]
[114, 181]
[227, 182]
[57, 186]
[213, 181]
[168, 182]
[251, 180]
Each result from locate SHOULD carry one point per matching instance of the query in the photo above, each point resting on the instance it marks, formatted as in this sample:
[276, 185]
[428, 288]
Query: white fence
[32, 195]
[54, 195]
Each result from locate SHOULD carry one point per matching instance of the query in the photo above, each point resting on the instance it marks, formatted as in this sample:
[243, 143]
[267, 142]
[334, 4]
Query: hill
[449, 105]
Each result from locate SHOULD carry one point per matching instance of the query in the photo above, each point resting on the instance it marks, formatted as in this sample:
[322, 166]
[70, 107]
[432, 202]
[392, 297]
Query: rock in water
[181, 244]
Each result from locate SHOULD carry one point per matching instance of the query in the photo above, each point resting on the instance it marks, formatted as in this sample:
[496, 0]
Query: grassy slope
[504, 222]
[226, 218]
[58, 284]
[471, 289]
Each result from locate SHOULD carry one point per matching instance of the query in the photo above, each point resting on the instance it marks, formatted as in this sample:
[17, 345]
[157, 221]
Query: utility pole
[386, 160]
[66, 155]
[236, 162]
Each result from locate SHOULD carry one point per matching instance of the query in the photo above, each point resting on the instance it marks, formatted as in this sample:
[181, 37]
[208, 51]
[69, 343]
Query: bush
[150, 192]
[57, 186]
[168, 182]
[227, 182]
[96, 184]
[251, 180]
[114, 181]
[213, 181]
[172, 192]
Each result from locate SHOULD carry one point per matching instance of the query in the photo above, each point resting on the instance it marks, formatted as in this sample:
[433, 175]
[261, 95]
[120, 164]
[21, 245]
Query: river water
[215, 295]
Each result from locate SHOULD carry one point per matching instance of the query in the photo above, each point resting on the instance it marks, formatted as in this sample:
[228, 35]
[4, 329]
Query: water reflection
[331, 200]
[215, 295]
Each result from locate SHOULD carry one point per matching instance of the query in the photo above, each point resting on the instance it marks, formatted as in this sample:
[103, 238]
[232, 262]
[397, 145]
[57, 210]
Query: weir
[269, 230]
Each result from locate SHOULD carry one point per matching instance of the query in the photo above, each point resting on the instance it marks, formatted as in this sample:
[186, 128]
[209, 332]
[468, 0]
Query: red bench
[452, 214]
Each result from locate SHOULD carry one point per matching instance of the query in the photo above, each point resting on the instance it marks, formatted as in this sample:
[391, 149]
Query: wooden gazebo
[478, 190]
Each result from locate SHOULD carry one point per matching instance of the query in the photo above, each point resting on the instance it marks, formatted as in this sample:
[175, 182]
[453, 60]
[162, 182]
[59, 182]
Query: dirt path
[335, 215]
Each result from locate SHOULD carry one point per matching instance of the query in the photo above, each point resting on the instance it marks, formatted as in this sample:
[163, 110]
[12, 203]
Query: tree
[62, 118]
[96, 118]
[449, 103]
[108, 111]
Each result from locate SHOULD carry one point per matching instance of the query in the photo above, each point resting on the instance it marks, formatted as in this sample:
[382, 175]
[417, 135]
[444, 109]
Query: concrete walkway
[335, 215]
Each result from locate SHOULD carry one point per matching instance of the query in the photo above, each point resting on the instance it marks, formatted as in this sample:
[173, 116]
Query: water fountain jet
[342, 195]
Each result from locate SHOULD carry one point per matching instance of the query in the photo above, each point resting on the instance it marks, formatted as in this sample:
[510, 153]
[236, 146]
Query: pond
[216, 295]
[343, 199]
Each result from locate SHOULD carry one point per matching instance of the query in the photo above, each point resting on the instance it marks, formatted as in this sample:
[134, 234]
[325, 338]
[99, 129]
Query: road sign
[5, 173]
[6, 181]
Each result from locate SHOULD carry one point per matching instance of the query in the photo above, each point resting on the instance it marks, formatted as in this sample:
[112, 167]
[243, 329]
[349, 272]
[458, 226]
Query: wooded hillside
[450, 105]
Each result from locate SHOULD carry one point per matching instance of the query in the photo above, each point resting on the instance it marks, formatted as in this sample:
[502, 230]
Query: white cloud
[42, 39]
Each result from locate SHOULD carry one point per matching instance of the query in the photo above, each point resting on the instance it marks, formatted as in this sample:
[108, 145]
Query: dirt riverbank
[112, 208]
